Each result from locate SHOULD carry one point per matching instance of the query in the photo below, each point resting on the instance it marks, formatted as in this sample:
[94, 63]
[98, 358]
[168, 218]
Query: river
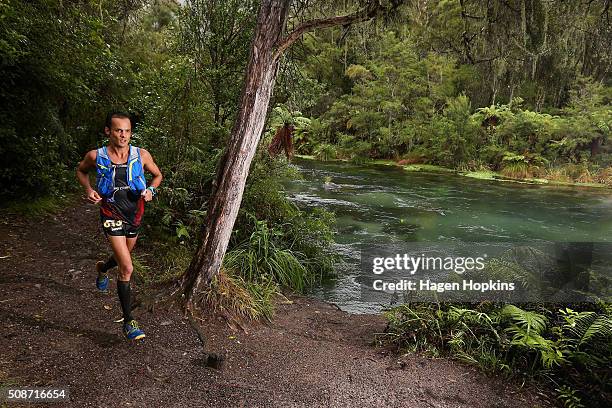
[384, 204]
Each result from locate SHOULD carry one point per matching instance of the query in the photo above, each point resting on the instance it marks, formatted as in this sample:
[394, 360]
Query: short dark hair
[116, 114]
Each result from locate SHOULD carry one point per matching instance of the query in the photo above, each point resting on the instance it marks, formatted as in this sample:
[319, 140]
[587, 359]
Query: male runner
[121, 190]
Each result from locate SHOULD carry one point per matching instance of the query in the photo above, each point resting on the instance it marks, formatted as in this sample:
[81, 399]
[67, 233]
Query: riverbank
[480, 175]
[59, 331]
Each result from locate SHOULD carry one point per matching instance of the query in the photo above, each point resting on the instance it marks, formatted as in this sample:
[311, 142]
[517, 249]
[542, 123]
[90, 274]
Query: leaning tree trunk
[266, 49]
[234, 167]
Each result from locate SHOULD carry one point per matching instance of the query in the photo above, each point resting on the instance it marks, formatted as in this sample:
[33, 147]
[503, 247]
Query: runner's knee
[125, 271]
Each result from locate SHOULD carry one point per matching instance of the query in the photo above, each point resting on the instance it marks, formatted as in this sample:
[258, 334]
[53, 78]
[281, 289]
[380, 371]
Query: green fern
[569, 397]
[586, 327]
[570, 349]
[528, 320]
[601, 328]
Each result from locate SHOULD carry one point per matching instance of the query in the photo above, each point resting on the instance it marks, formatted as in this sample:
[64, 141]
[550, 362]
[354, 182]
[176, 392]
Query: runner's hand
[93, 196]
[147, 194]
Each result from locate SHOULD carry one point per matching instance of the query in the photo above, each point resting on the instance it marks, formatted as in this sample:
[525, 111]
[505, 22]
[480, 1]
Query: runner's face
[120, 132]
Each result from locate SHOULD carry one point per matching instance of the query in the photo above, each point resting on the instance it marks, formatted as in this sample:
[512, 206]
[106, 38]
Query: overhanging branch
[373, 9]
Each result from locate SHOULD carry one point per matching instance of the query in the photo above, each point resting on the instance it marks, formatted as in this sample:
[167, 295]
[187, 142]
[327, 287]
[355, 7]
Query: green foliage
[325, 152]
[275, 239]
[273, 233]
[54, 58]
[571, 349]
[282, 116]
[261, 256]
[568, 397]
[454, 134]
[463, 84]
[216, 37]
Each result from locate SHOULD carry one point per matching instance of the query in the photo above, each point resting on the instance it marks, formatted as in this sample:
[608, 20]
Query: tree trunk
[234, 166]
[266, 49]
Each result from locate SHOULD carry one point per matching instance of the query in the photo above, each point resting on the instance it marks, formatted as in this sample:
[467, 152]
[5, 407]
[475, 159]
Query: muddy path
[57, 330]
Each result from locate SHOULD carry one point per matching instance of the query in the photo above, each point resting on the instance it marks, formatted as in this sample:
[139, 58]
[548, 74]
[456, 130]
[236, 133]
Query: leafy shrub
[493, 154]
[325, 152]
[570, 349]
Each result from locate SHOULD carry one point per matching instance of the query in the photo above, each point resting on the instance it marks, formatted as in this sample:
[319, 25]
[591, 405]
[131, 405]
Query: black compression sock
[123, 290]
[111, 263]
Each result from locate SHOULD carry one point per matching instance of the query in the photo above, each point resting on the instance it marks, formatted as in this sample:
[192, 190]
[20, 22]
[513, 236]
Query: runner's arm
[149, 165]
[88, 163]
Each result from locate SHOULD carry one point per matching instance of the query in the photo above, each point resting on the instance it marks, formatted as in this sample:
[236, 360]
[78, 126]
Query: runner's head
[118, 128]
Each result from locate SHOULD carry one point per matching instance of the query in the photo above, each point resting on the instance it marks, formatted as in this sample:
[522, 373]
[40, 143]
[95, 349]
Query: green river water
[385, 204]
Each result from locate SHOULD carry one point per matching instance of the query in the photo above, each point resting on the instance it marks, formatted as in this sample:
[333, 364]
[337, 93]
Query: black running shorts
[118, 228]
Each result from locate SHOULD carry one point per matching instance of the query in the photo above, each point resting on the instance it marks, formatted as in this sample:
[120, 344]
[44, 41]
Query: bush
[564, 347]
[325, 152]
[261, 257]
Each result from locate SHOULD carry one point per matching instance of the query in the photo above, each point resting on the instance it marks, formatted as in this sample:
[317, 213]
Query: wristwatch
[152, 189]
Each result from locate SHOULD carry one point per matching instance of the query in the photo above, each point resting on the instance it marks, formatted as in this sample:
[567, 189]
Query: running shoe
[102, 278]
[132, 331]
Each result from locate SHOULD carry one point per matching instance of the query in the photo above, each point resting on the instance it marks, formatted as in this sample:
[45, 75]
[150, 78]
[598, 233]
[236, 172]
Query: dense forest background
[520, 87]
[517, 86]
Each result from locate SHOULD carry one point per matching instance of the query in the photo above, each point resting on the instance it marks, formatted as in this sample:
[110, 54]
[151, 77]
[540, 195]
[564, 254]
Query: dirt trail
[57, 330]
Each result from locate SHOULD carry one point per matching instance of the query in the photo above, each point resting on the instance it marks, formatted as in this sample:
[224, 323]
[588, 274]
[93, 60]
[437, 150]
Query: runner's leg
[111, 263]
[121, 252]
[104, 267]
[131, 243]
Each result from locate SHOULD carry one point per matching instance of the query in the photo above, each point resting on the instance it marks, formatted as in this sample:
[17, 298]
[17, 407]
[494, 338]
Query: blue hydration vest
[105, 175]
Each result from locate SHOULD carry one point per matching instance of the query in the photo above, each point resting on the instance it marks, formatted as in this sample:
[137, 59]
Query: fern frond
[528, 320]
[601, 328]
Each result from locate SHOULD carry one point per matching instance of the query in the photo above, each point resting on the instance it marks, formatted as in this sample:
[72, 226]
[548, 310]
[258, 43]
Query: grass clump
[261, 257]
[517, 170]
[231, 293]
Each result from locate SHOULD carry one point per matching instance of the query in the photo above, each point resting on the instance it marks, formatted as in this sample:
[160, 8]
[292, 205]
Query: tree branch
[366, 13]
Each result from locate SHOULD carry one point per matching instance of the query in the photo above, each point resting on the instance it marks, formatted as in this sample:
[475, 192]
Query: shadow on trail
[101, 338]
